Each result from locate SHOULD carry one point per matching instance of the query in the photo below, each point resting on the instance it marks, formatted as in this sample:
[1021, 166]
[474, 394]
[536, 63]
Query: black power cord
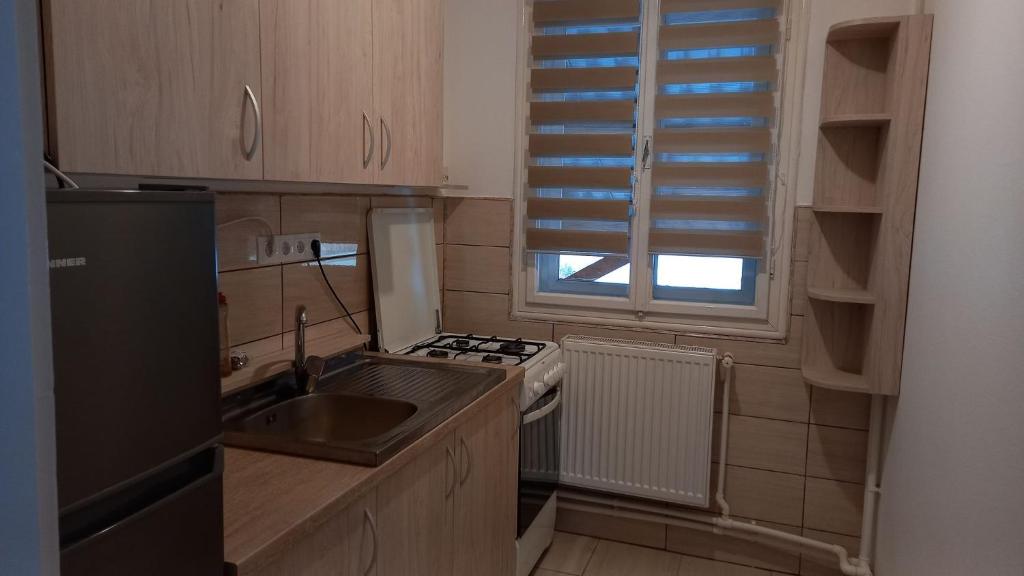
[315, 247]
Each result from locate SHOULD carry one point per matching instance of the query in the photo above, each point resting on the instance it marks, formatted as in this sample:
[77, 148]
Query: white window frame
[768, 317]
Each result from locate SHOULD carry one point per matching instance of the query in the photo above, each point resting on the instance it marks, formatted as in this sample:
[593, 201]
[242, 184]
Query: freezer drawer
[178, 532]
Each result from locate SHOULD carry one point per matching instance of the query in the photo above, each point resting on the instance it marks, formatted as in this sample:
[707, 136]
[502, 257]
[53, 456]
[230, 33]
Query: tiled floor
[572, 555]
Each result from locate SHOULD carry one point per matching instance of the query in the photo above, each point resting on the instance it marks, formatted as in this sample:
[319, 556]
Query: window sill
[750, 330]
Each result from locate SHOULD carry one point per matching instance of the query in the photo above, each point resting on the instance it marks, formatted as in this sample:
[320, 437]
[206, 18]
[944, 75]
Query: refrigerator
[133, 291]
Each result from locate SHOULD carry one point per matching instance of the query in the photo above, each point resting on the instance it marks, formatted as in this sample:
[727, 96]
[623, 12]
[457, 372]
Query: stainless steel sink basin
[366, 409]
[330, 418]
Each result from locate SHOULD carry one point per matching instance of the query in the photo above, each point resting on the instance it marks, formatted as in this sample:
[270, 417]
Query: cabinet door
[345, 545]
[415, 520]
[318, 90]
[485, 500]
[152, 87]
[407, 68]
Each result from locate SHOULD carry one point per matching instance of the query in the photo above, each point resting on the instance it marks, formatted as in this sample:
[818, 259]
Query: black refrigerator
[133, 291]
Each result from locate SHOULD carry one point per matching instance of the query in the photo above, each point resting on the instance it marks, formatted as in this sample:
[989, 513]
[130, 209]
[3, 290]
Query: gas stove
[540, 359]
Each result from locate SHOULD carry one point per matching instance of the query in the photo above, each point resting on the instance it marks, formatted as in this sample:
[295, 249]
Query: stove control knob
[538, 387]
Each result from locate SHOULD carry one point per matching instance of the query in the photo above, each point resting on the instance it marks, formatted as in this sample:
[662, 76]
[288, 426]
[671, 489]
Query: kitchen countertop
[271, 499]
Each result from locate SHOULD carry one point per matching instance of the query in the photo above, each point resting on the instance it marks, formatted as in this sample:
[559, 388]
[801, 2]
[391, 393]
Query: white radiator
[637, 418]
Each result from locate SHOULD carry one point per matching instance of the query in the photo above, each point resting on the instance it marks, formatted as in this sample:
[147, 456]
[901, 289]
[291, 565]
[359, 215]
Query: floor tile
[568, 553]
[692, 566]
[614, 559]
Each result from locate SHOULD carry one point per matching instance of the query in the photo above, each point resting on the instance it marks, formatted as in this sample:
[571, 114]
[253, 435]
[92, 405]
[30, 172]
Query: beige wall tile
[563, 330]
[802, 233]
[236, 241]
[799, 289]
[568, 553]
[618, 529]
[340, 220]
[814, 564]
[488, 314]
[400, 202]
[840, 408]
[833, 506]
[764, 495]
[254, 303]
[785, 355]
[690, 566]
[440, 269]
[837, 453]
[438, 204]
[478, 222]
[261, 347]
[331, 328]
[727, 548]
[303, 284]
[767, 392]
[616, 559]
[477, 268]
[764, 444]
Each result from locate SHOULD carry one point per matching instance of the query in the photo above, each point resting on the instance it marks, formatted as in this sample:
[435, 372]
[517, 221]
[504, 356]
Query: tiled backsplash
[262, 299]
[796, 454]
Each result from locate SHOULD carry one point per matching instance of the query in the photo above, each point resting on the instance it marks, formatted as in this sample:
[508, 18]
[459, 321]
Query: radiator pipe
[848, 566]
[723, 444]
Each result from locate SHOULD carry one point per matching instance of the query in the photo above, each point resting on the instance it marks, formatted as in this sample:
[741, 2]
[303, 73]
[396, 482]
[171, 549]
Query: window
[649, 156]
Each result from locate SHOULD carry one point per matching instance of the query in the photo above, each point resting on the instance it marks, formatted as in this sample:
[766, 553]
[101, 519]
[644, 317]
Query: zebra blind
[714, 113]
[583, 99]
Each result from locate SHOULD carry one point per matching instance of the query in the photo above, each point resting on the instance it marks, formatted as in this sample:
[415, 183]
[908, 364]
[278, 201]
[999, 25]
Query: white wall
[480, 95]
[953, 482]
[28, 491]
[822, 15]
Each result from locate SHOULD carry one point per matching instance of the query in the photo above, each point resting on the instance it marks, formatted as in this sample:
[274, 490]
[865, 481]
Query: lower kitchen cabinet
[416, 511]
[450, 511]
[485, 498]
[345, 545]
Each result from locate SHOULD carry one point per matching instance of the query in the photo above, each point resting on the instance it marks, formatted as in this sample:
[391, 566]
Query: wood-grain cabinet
[280, 90]
[450, 511]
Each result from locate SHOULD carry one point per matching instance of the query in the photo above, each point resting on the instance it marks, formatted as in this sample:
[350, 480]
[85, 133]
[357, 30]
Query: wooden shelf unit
[865, 195]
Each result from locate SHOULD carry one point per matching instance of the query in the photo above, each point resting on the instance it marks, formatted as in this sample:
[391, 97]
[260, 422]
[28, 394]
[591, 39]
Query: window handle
[645, 158]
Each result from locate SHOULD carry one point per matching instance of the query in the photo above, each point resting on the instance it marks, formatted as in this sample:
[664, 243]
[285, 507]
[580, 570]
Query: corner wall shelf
[836, 379]
[865, 196]
[845, 295]
[838, 209]
[855, 120]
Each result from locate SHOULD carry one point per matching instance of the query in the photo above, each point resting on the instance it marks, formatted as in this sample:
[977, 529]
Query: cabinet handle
[368, 154]
[469, 461]
[386, 154]
[454, 468]
[373, 530]
[257, 134]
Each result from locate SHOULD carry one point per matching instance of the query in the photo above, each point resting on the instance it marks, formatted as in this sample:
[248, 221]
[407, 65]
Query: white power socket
[285, 248]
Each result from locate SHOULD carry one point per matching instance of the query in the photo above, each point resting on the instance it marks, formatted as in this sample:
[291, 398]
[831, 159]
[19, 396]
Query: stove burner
[460, 344]
[437, 353]
[491, 359]
[515, 347]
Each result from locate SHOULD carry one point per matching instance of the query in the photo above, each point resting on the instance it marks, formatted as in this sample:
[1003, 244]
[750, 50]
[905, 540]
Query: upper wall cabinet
[318, 90]
[285, 90]
[407, 72]
[155, 87]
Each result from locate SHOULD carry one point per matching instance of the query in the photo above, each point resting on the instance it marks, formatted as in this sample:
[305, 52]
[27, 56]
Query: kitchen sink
[330, 418]
[365, 410]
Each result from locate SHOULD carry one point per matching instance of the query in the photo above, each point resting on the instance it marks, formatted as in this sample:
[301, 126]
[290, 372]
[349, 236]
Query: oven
[538, 477]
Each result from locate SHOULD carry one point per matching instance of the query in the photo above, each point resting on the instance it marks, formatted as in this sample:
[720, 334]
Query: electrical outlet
[285, 248]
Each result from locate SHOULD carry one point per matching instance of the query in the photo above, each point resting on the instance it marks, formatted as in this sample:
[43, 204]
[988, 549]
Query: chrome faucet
[307, 369]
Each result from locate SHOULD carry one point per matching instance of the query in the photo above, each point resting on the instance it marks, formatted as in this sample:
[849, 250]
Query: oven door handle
[544, 410]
